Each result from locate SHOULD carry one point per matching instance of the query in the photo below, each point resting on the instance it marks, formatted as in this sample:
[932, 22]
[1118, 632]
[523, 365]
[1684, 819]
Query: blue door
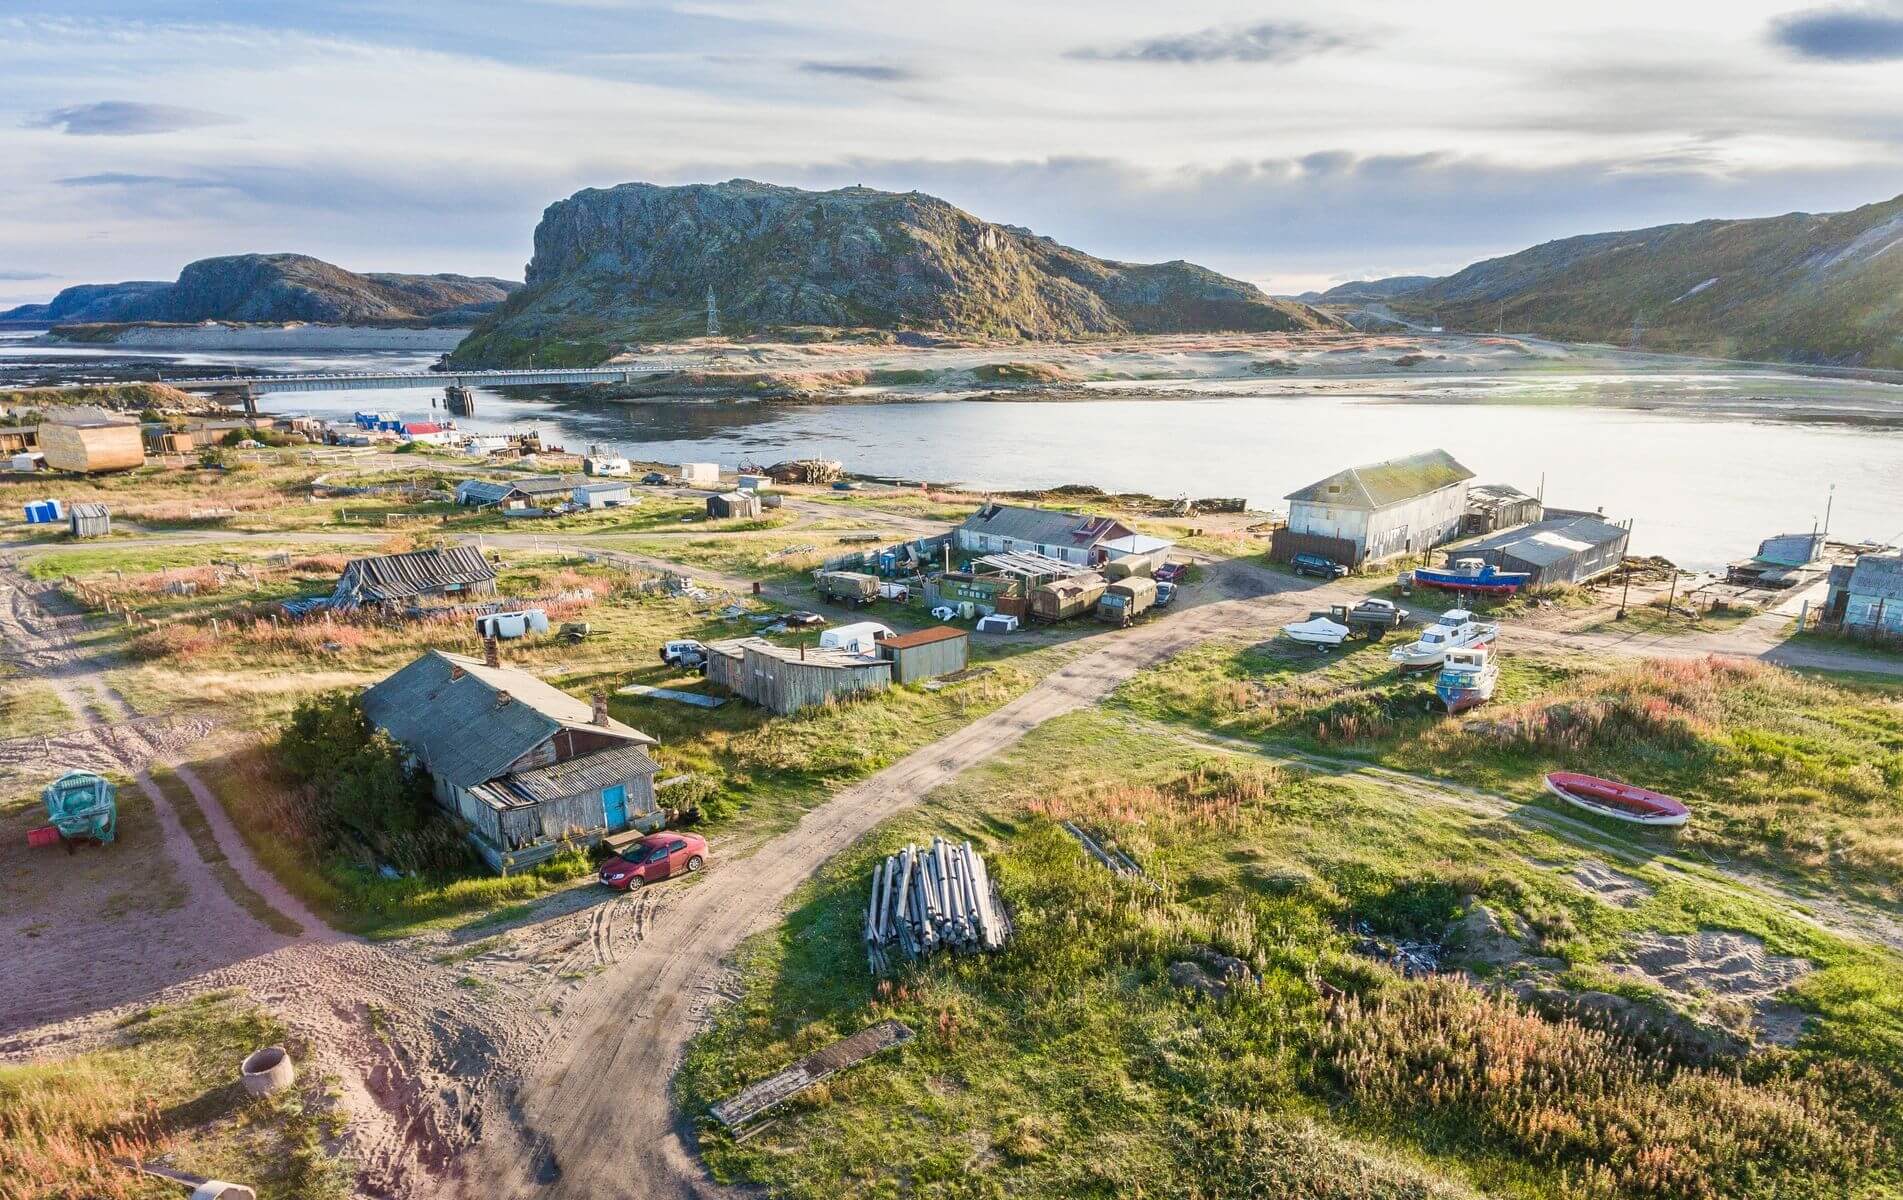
[614, 806]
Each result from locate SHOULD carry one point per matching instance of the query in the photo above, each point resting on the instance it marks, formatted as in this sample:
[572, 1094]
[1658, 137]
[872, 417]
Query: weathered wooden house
[926, 653]
[1365, 514]
[787, 679]
[91, 440]
[1492, 507]
[1867, 596]
[420, 577]
[1069, 537]
[530, 768]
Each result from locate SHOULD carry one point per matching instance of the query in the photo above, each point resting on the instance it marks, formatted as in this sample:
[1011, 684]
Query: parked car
[653, 477]
[655, 857]
[1165, 592]
[944, 612]
[802, 619]
[1318, 566]
[1171, 572]
[684, 654]
[898, 593]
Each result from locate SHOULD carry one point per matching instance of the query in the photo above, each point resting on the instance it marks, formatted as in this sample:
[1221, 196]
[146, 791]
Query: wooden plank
[754, 1101]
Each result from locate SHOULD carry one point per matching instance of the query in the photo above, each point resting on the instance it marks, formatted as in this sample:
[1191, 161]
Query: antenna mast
[713, 314]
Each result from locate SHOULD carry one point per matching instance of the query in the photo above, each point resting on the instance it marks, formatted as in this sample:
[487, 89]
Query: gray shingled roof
[1042, 525]
[401, 576]
[1879, 575]
[483, 491]
[1378, 485]
[1545, 542]
[449, 711]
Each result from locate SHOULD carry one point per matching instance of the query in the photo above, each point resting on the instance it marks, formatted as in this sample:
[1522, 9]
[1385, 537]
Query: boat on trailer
[1319, 632]
[1455, 629]
[1620, 801]
[1473, 575]
[1467, 679]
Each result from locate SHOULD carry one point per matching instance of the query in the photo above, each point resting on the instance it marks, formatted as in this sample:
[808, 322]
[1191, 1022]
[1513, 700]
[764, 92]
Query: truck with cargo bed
[1126, 600]
[848, 587]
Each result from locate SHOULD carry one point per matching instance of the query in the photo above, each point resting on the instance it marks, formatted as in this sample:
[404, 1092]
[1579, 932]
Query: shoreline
[291, 336]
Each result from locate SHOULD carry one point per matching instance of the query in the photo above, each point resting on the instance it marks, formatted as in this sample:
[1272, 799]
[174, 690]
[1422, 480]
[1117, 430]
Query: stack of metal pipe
[930, 898]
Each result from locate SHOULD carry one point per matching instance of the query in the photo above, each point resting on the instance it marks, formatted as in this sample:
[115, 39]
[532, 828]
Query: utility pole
[1625, 560]
[1638, 329]
[713, 314]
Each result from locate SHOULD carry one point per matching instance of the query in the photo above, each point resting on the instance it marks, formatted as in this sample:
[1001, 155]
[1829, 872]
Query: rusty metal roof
[923, 637]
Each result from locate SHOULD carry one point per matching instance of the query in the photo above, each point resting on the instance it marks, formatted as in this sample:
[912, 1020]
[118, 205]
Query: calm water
[1702, 488]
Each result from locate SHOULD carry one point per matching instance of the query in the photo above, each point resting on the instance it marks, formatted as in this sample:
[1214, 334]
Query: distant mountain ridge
[272, 288]
[615, 266]
[1369, 289]
[1822, 288]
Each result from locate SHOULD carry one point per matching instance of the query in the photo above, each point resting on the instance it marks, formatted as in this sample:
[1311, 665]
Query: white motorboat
[1456, 629]
[1467, 678]
[1319, 632]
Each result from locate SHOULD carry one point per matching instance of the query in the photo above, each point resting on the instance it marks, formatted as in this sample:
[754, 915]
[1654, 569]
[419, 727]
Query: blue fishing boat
[1467, 679]
[1473, 575]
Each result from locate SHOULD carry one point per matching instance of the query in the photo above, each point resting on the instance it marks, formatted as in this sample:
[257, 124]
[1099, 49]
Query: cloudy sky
[1290, 144]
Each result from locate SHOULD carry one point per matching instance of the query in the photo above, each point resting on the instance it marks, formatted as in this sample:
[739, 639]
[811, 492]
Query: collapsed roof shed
[419, 574]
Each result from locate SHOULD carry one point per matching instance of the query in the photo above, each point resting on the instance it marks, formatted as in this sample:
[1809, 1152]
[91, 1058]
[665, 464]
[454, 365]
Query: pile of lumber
[938, 897]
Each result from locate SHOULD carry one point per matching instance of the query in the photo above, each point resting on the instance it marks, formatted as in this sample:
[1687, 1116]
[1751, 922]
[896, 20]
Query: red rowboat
[1620, 801]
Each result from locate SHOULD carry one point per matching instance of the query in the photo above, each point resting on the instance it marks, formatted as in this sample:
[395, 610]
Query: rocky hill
[1363, 290]
[273, 287]
[632, 263]
[1803, 287]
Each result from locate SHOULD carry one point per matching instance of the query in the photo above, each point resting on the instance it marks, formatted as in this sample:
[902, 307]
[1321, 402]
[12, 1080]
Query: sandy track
[597, 1119]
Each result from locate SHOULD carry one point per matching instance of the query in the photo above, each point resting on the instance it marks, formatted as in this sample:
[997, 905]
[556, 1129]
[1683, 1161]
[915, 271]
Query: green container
[82, 805]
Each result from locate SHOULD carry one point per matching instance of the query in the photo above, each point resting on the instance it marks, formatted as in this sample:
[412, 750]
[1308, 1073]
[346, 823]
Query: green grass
[1068, 1066]
[29, 709]
[166, 1084]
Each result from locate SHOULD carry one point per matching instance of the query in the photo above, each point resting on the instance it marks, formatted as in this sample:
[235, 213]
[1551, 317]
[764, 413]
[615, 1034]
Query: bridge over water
[257, 385]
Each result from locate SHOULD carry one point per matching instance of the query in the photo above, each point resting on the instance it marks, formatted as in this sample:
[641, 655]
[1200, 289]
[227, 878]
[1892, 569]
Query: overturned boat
[1473, 575]
[1455, 629]
[1620, 801]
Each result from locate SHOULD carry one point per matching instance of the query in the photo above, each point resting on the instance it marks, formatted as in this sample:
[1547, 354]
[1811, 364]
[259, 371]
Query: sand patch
[1729, 973]
[1609, 885]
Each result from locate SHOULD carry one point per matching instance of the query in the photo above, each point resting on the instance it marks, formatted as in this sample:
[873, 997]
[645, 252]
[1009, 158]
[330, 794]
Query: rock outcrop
[271, 288]
[635, 262]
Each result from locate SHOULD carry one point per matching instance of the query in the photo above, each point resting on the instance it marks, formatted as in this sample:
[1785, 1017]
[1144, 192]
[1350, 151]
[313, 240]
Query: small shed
[89, 520]
[485, 493]
[1136, 545]
[1868, 595]
[91, 440]
[1570, 549]
[755, 483]
[786, 679]
[173, 441]
[700, 473]
[404, 579]
[1495, 506]
[603, 495]
[926, 654]
[733, 504]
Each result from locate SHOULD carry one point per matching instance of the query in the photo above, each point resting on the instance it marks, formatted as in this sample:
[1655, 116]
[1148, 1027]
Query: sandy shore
[215, 336]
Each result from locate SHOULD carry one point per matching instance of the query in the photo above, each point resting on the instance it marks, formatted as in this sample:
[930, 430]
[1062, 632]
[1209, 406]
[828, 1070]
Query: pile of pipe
[937, 897]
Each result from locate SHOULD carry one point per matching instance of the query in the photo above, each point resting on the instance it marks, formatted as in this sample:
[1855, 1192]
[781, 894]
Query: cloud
[870, 72]
[130, 180]
[125, 118]
[1843, 34]
[22, 276]
[1270, 41]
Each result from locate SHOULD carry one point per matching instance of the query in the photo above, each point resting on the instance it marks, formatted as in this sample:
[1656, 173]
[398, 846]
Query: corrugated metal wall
[913, 663]
[787, 687]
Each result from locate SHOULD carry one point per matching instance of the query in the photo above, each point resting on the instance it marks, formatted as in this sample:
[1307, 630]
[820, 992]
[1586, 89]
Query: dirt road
[597, 1118]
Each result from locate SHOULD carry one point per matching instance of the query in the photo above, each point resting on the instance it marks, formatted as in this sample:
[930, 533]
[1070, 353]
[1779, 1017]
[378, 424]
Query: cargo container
[1126, 600]
[848, 587]
[1129, 566]
[1062, 599]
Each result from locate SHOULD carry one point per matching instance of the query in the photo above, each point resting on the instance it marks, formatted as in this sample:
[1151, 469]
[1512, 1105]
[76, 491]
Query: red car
[655, 857]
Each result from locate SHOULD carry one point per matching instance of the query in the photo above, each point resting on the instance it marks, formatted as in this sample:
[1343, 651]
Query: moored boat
[1473, 575]
[1319, 632]
[1468, 678]
[1455, 629]
[1620, 801]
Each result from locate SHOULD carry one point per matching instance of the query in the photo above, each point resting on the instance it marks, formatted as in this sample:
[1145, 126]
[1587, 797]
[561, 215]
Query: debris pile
[805, 470]
[938, 897]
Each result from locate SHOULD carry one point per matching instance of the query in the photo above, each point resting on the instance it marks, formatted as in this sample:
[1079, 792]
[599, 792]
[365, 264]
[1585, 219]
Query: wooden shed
[173, 442]
[89, 520]
[786, 679]
[91, 440]
[733, 504]
[926, 654]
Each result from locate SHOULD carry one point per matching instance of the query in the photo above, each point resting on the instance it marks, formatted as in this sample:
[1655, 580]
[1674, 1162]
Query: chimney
[491, 652]
[601, 709]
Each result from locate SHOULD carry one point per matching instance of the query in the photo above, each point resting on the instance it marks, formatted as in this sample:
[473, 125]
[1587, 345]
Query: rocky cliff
[632, 263]
[1803, 287]
[273, 287]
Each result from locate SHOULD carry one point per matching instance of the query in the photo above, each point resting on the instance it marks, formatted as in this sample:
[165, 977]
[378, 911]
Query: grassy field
[29, 709]
[1068, 1065]
[166, 1086]
[1797, 772]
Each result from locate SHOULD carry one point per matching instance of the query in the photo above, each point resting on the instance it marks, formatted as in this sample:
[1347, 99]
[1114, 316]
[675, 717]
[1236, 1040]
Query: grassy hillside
[1803, 287]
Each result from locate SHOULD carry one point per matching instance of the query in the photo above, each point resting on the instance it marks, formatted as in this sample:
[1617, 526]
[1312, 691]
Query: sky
[1294, 145]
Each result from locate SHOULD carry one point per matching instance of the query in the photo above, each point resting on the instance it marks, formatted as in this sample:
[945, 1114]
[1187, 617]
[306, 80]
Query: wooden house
[412, 579]
[1368, 513]
[786, 679]
[529, 768]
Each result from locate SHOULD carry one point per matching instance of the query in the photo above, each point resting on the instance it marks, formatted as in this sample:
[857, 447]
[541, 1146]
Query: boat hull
[1460, 699]
[1621, 802]
[1494, 583]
